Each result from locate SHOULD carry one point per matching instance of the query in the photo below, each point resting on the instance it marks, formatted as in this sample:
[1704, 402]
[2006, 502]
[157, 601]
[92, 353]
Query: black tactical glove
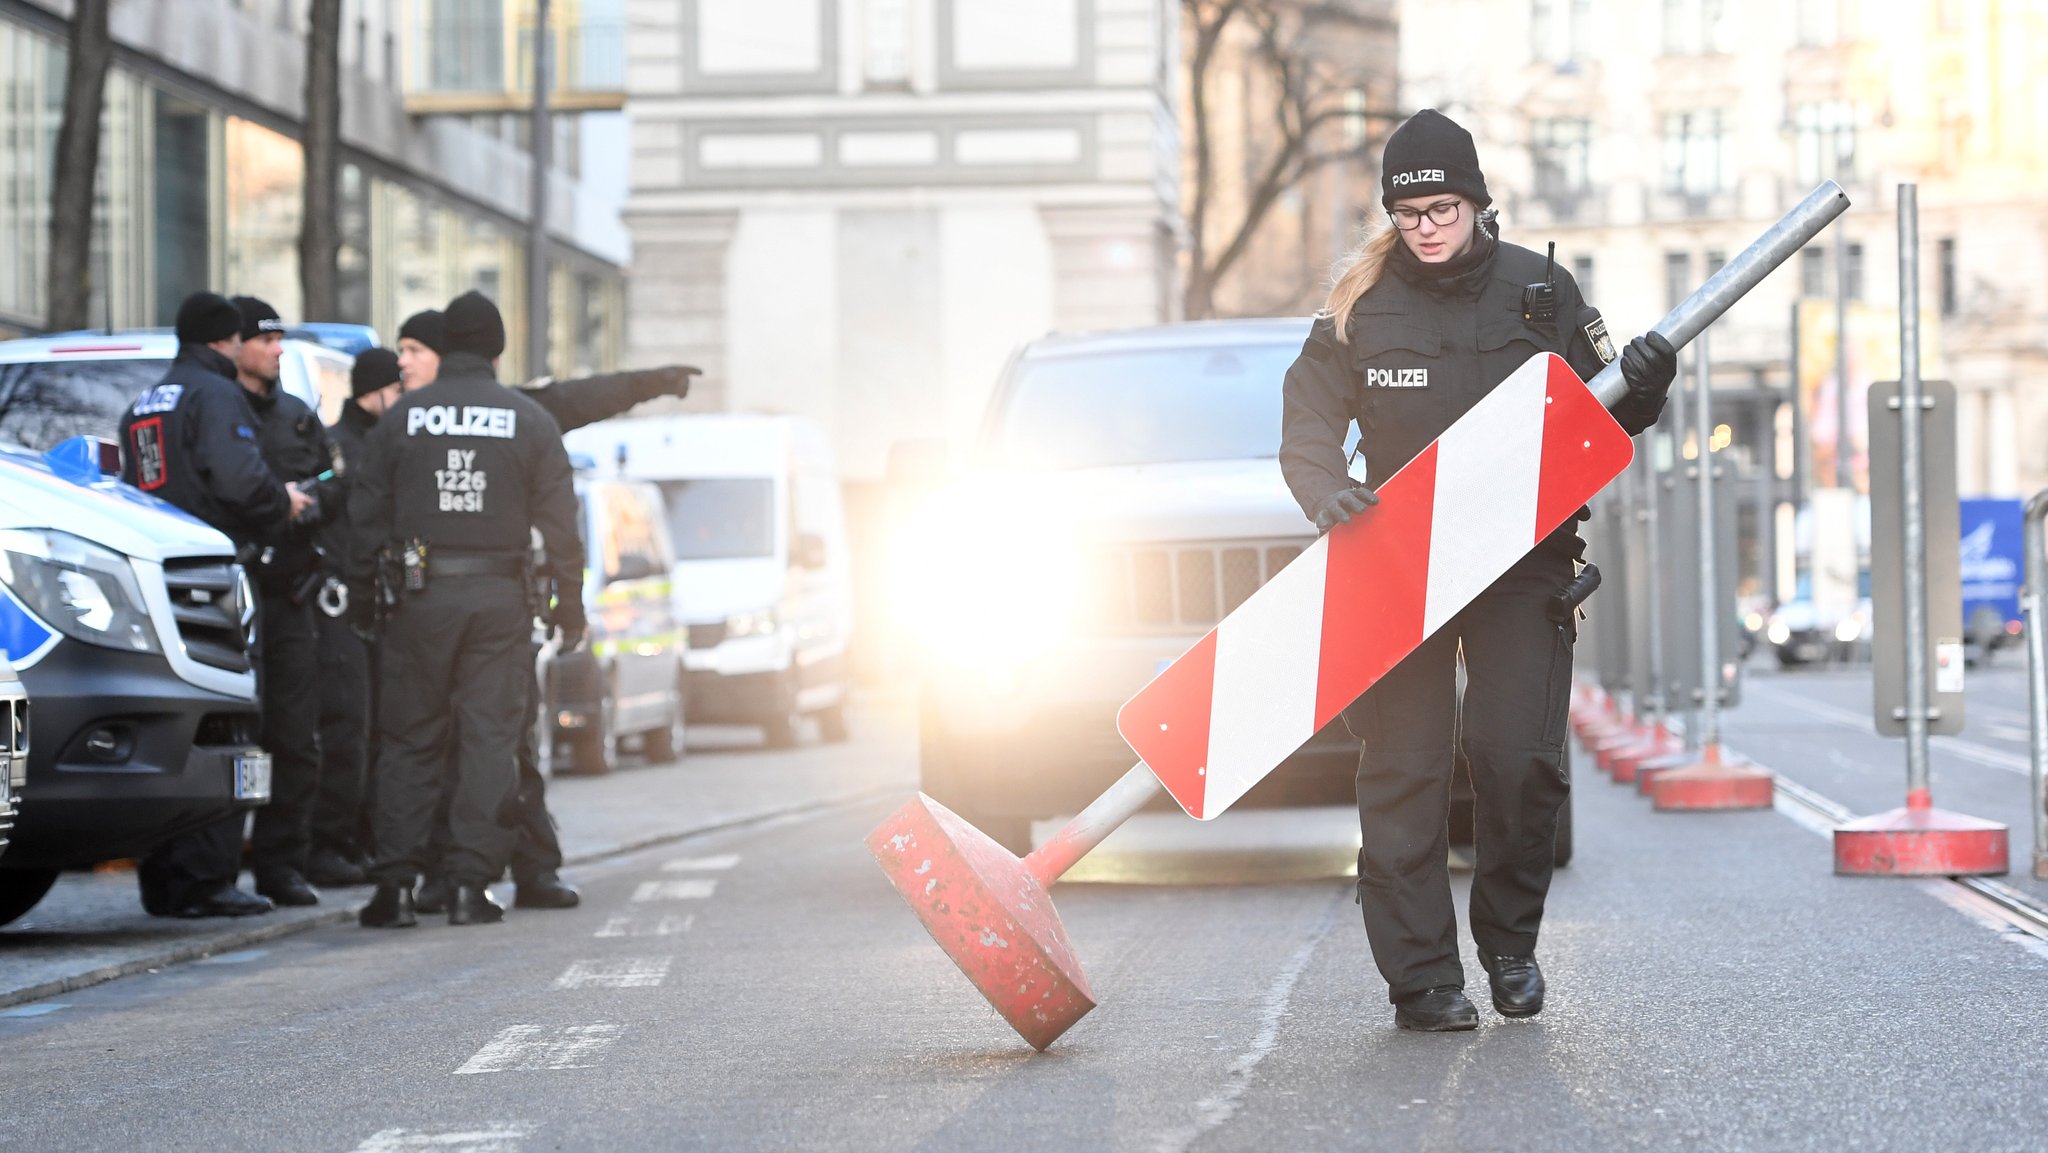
[1649, 364]
[1340, 506]
[570, 627]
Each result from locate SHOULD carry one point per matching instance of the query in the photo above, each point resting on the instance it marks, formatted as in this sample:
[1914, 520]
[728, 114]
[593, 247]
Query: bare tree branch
[69, 279]
[320, 210]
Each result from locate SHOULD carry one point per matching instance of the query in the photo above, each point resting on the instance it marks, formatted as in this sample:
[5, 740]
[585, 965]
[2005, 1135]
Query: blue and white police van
[129, 623]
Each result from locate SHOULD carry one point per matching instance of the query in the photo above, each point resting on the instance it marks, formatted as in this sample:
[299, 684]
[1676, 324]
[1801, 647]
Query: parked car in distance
[1801, 633]
[625, 686]
[762, 577]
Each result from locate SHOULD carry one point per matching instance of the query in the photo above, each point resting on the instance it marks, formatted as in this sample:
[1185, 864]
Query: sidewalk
[91, 927]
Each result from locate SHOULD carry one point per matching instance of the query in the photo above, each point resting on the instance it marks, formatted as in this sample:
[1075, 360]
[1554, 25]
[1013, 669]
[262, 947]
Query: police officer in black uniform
[456, 478]
[191, 440]
[288, 576]
[340, 854]
[537, 854]
[1432, 315]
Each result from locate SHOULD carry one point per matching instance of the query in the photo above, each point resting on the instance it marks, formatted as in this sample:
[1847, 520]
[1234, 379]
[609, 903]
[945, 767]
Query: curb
[271, 931]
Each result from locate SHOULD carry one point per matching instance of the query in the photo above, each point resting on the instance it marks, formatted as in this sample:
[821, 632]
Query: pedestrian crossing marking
[529, 1047]
[665, 926]
[631, 973]
[499, 1138]
[674, 890]
[702, 864]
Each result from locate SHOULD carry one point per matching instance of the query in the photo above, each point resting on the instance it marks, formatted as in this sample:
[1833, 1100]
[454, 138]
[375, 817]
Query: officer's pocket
[1396, 361]
[1513, 339]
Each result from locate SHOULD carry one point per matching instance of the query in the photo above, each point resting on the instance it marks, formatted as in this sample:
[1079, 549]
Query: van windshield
[716, 518]
[1149, 406]
[45, 402]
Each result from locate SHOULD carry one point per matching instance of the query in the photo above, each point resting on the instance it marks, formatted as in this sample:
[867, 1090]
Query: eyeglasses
[1442, 213]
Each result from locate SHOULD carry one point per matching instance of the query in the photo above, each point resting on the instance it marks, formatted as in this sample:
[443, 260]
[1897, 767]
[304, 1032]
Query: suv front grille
[215, 610]
[1178, 587]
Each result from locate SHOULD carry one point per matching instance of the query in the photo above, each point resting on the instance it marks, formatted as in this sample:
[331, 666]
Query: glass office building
[191, 196]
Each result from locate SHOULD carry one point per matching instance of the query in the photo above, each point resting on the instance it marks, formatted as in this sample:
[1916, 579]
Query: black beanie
[429, 328]
[474, 325]
[1430, 154]
[205, 317]
[257, 317]
[375, 368]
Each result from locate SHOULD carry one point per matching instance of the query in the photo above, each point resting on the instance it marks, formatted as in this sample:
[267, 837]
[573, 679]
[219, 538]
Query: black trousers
[340, 820]
[453, 671]
[1518, 672]
[288, 679]
[537, 849]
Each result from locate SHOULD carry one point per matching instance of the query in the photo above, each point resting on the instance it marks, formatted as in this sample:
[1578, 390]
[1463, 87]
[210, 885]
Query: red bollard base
[1628, 762]
[1921, 842]
[1711, 785]
[1648, 771]
[989, 913]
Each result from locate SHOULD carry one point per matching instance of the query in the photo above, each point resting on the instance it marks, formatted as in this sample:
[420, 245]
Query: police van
[129, 623]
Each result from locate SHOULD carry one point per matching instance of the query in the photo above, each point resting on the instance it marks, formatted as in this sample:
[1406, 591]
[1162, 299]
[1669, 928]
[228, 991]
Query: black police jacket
[1424, 348]
[470, 467]
[349, 437]
[588, 399]
[295, 446]
[191, 440]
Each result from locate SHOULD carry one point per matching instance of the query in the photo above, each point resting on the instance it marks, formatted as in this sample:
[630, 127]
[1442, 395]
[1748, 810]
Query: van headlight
[80, 589]
[987, 582]
[1778, 631]
[760, 624]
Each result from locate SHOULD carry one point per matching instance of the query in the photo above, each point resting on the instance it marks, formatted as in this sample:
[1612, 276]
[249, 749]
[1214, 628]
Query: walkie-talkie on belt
[1539, 301]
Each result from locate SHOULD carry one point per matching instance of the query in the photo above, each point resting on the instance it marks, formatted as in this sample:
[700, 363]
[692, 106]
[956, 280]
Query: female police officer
[1429, 317]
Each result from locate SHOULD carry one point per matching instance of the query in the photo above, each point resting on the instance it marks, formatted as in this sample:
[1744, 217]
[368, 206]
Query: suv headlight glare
[760, 624]
[82, 590]
[988, 585]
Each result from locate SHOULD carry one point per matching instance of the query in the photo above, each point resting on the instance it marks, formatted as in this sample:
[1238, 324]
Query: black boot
[472, 905]
[329, 867]
[545, 891]
[1517, 984]
[433, 895]
[287, 888]
[1443, 1009]
[226, 901]
[390, 907]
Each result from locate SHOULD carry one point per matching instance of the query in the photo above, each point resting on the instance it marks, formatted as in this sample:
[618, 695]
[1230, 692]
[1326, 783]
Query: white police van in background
[129, 623]
[762, 576]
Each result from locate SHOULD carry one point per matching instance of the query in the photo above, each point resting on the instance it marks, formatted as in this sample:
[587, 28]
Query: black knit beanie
[375, 368]
[1431, 154]
[257, 317]
[205, 317]
[475, 326]
[429, 328]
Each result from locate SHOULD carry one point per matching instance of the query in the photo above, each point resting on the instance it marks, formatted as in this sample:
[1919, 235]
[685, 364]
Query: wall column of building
[679, 275]
[1110, 269]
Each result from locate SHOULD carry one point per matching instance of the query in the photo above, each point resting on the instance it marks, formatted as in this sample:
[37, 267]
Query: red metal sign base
[1712, 785]
[1921, 842]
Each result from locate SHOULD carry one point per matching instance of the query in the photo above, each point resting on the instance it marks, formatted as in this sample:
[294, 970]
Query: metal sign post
[1917, 840]
[1710, 783]
[2037, 673]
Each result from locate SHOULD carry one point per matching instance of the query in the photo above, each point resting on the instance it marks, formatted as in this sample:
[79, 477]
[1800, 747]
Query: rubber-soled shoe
[433, 895]
[545, 891]
[390, 907]
[472, 905]
[327, 867]
[1517, 985]
[226, 901]
[288, 889]
[1444, 1009]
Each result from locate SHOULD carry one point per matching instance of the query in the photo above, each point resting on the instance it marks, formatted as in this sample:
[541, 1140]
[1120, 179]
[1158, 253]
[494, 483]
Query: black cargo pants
[340, 822]
[538, 850]
[1518, 672]
[288, 682]
[453, 668]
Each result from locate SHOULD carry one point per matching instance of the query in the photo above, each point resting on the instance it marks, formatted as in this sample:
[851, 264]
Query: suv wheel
[20, 889]
[595, 751]
[663, 745]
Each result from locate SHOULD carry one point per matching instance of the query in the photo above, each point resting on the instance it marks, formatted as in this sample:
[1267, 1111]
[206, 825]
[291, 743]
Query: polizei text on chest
[463, 420]
[1397, 378]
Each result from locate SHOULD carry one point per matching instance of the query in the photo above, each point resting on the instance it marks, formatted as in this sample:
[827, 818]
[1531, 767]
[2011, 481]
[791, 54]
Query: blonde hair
[1362, 269]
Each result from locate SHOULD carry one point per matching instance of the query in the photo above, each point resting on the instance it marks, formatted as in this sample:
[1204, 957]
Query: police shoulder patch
[1603, 345]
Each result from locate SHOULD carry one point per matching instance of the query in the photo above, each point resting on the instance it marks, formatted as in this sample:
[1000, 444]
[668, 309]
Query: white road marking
[43, 1009]
[496, 1138]
[674, 890]
[524, 1047]
[665, 926]
[241, 957]
[629, 973]
[1967, 750]
[702, 864]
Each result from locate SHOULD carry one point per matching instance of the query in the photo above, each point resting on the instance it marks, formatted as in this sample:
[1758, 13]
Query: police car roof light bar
[1736, 278]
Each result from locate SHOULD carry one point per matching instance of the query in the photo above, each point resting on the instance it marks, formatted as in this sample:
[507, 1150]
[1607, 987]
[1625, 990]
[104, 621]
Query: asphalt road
[1714, 986]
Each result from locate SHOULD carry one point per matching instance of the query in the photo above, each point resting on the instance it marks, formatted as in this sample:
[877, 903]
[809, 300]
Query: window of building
[1558, 152]
[1817, 23]
[465, 42]
[265, 173]
[1945, 272]
[1582, 275]
[887, 35]
[1561, 31]
[1715, 259]
[1695, 147]
[1677, 278]
[1812, 272]
[1696, 27]
[1825, 134]
[1852, 273]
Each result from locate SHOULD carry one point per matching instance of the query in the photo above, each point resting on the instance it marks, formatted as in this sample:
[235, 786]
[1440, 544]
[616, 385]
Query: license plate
[252, 777]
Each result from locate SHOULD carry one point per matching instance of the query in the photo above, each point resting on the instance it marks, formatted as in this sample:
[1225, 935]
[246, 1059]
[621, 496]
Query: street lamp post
[537, 310]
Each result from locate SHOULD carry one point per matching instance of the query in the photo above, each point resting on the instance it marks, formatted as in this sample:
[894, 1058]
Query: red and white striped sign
[1324, 629]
